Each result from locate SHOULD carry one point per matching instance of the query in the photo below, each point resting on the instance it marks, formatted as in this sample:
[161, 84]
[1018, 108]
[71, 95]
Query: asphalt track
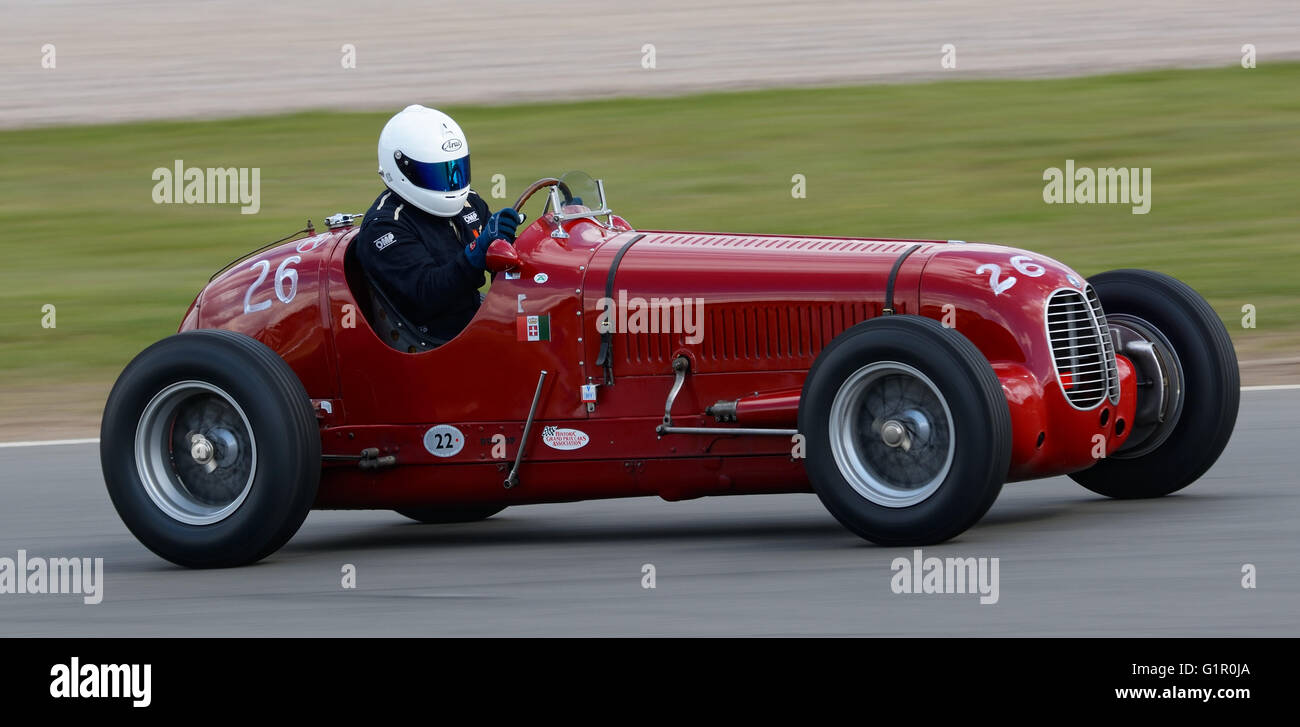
[1071, 563]
[148, 59]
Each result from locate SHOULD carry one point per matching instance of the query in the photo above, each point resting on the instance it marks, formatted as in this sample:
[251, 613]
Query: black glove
[500, 226]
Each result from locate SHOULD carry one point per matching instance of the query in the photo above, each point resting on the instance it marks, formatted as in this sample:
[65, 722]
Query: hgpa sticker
[564, 438]
[444, 440]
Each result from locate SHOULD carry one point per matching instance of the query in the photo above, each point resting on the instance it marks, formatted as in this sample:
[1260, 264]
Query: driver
[424, 241]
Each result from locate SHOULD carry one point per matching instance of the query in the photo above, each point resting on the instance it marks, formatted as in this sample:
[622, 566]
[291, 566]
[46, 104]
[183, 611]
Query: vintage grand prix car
[902, 381]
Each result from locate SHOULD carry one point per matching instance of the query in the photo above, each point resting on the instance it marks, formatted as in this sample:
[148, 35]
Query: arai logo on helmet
[451, 145]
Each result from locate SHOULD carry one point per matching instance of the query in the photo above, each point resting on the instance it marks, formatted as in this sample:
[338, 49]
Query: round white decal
[444, 440]
[564, 438]
[540, 278]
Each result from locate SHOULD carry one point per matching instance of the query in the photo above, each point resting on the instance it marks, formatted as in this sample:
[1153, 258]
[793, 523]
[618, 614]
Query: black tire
[978, 436]
[1211, 386]
[446, 515]
[261, 431]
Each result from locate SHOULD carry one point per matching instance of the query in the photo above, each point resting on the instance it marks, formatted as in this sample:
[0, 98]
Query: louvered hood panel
[739, 303]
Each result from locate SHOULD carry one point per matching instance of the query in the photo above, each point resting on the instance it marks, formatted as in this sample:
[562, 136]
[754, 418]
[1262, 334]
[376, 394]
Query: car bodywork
[446, 426]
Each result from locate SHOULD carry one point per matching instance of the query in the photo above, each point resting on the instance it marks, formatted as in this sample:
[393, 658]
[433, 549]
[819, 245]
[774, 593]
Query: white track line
[48, 443]
[59, 442]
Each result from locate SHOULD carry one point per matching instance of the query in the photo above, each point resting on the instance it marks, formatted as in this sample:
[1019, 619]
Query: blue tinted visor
[436, 176]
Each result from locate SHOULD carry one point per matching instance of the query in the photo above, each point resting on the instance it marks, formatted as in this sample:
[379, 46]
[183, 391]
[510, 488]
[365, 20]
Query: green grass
[948, 160]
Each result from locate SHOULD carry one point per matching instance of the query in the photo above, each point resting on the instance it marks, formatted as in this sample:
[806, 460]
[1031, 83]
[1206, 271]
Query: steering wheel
[540, 185]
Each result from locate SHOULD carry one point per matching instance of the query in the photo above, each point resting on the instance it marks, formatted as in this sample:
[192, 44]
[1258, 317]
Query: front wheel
[210, 449]
[907, 431]
[1188, 391]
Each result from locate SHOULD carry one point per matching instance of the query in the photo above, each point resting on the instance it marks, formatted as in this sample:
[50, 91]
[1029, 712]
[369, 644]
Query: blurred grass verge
[959, 159]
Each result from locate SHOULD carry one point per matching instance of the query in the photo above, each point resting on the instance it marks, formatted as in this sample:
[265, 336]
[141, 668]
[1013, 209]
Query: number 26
[282, 274]
[1023, 265]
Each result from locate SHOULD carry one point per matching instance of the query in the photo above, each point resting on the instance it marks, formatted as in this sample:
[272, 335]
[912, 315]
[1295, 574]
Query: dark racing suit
[418, 261]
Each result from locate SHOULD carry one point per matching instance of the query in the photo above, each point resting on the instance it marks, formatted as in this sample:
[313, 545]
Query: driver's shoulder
[385, 223]
[389, 213]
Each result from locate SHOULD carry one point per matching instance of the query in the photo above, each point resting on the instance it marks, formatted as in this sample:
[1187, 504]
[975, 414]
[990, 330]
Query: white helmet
[424, 158]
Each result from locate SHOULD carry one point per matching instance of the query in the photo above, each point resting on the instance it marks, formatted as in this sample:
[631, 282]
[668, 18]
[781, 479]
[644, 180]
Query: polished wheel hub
[893, 434]
[201, 450]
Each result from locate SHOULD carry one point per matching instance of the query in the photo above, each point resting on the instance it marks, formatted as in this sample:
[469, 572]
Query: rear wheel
[1188, 391]
[907, 431]
[445, 515]
[210, 449]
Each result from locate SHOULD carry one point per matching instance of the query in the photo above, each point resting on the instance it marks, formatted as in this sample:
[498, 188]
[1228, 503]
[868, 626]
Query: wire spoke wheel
[908, 430]
[196, 453]
[1188, 385]
[210, 449]
[895, 434]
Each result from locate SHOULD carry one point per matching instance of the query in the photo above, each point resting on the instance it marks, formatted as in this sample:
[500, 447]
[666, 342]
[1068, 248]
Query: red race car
[902, 381]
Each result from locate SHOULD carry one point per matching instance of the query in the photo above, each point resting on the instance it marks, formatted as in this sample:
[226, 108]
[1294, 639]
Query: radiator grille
[1082, 348]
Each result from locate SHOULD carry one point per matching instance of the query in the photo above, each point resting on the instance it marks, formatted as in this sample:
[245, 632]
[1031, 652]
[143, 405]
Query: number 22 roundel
[444, 440]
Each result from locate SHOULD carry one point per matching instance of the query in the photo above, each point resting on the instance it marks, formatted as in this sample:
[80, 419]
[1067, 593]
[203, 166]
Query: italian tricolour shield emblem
[533, 328]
